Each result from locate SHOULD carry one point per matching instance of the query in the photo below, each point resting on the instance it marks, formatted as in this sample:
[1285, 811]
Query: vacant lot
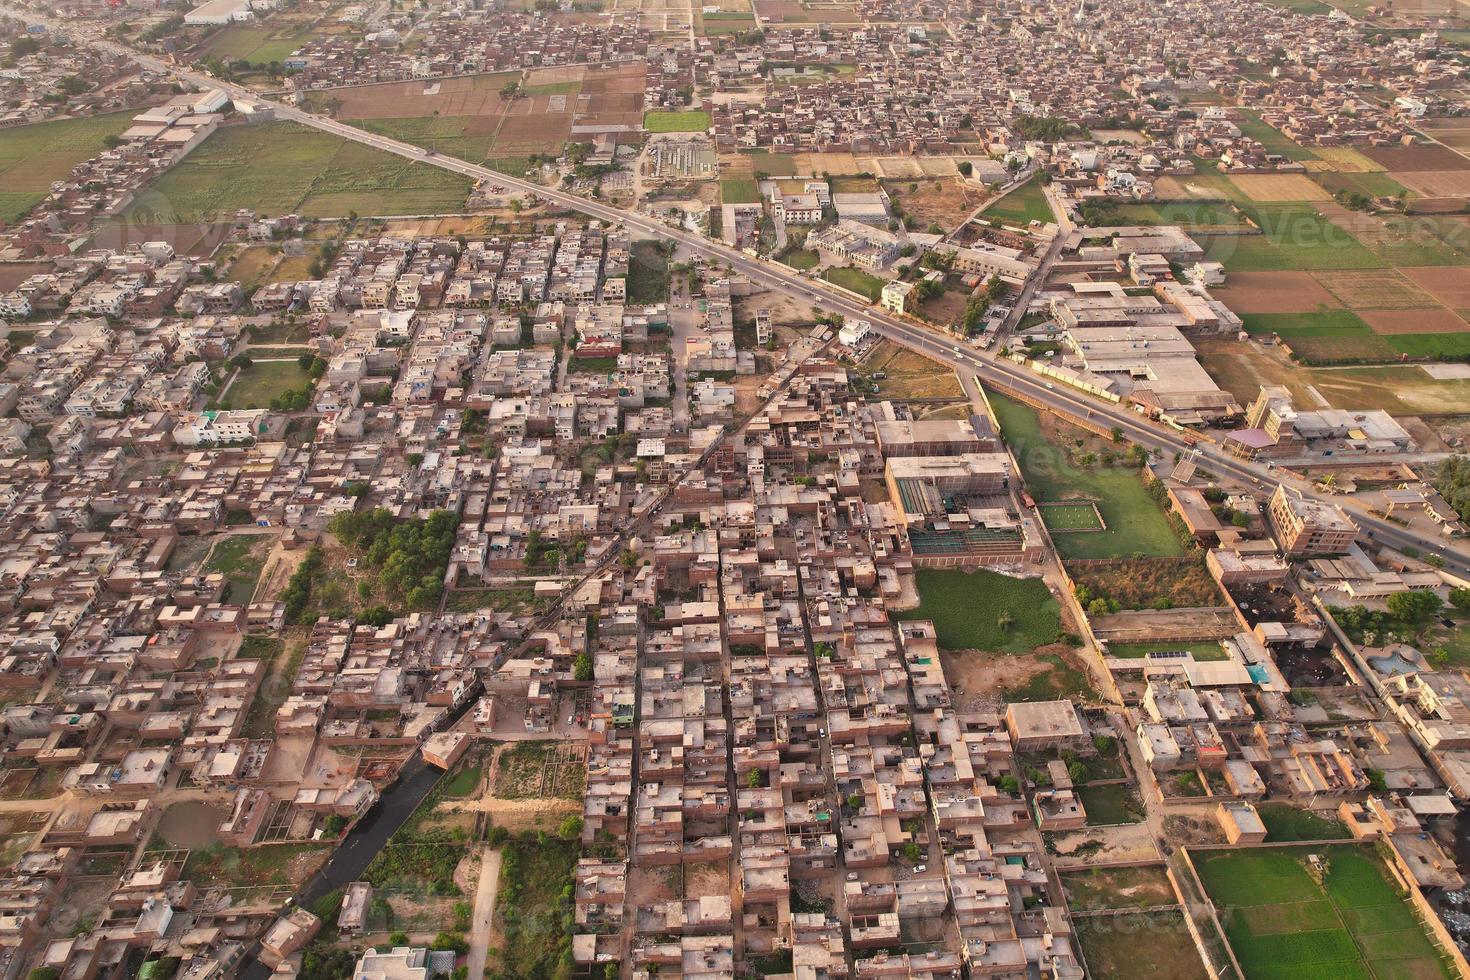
[1145, 583]
[1282, 922]
[1285, 822]
[239, 558]
[1021, 206]
[255, 386]
[1271, 291]
[1127, 946]
[259, 44]
[737, 189]
[942, 201]
[533, 908]
[33, 157]
[1110, 803]
[908, 374]
[1118, 888]
[1136, 525]
[985, 610]
[693, 121]
[278, 168]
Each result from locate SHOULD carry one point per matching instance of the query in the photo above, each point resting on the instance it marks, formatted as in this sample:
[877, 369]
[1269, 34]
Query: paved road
[770, 275]
[484, 912]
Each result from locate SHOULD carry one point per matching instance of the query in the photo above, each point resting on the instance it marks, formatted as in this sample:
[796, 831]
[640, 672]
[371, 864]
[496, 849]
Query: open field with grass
[33, 157]
[1141, 945]
[970, 610]
[258, 43]
[1110, 803]
[255, 386]
[532, 916]
[1021, 206]
[1202, 651]
[737, 189]
[1346, 920]
[1293, 236]
[1285, 822]
[1272, 138]
[278, 168]
[1070, 517]
[1187, 214]
[1148, 582]
[863, 283]
[1136, 524]
[692, 121]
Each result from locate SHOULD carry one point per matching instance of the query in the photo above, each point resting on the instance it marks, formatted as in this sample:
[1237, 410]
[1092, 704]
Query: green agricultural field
[691, 121]
[969, 610]
[34, 157]
[856, 280]
[1136, 524]
[1273, 139]
[772, 164]
[278, 168]
[1324, 323]
[1281, 922]
[1188, 214]
[1293, 236]
[1021, 206]
[259, 44]
[443, 134]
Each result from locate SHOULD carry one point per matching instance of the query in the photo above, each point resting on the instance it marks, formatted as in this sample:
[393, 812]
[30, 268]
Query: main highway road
[986, 366]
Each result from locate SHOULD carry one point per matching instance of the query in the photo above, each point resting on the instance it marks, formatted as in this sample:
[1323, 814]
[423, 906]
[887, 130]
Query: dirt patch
[12, 274]
[1275, 292]
[942, 201]
[1106, 845]
[1269, 188]
[190, 824]
[704, 879]
[1135, 583]
[1436, 320]
[905, 374]
[1416, 158]
[1375, 289]
[1435, 183]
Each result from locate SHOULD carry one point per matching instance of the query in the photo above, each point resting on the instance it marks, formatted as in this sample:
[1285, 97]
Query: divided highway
[771, 275]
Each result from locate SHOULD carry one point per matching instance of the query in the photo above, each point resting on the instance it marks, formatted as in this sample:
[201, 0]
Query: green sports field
[1283, 924]
[1070, 517]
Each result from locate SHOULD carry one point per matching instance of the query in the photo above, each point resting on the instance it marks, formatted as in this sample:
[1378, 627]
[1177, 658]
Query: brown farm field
[1275, 292]
[1435, 319]
[1420, 157]
[1435, 183]
[1448, 284]
[1375, 289]
[1275, 188]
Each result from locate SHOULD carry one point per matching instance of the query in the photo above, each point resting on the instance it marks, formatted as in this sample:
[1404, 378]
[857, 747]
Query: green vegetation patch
[1272, 900]
[1136, 524]
[33, 157]
[277, 168]
[801, 258]
[689, 121]
[860, 282]
[985, 610]
[1118, 888]
[1125, 947]
[1293, 236]
[1284, 823]
[1110, 803]
[239, 558]
[1021, 206]
[1273, 139]
[534, 905]
[735, 189]
[1203, 651]
[260, 384]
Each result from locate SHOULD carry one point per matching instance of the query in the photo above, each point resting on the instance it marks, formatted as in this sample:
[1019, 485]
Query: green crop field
[1021, 206]
[1293, 236]
[691, 121]
[967, 610]
[1285, 823]
[259, 44]
[34, 157]
[739, 190]
[1283, 920]
[1124, 947]
[1189, 214]
[1323, 323]
[1136, 524]
[278, 168]
[1272, 138]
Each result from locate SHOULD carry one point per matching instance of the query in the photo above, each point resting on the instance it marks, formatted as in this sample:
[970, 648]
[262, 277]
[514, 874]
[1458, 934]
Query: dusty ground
[1266, 188]
[1275, 292]
[1104, 845]
[909, 375]
[945, 201]
[1375, 289]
